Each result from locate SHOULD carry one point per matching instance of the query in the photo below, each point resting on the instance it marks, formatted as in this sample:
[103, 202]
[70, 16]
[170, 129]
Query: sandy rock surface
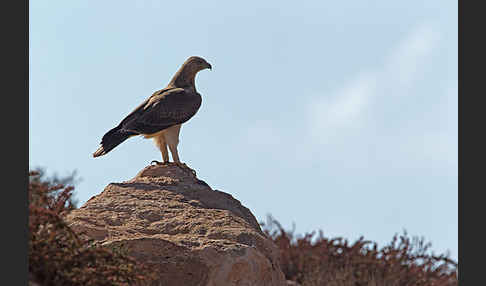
[195, 235]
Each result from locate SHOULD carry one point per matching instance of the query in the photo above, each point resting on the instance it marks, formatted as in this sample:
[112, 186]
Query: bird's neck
[184, 78]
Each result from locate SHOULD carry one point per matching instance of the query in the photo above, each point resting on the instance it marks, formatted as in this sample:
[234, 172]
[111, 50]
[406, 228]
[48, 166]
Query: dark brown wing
[163, 110]
[140, 109]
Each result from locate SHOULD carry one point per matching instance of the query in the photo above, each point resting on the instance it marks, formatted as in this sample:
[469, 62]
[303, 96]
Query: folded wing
[162, 110]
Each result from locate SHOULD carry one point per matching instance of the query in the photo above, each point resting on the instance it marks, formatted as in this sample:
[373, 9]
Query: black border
[471, 121]
[14, 118]
[26, 133]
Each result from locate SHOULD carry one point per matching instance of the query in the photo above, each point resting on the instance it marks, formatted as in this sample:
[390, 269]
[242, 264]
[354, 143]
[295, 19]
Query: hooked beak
[209, 66]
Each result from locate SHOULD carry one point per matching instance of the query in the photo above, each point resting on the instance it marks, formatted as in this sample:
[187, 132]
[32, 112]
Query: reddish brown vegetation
[58, 256]
[311, 260]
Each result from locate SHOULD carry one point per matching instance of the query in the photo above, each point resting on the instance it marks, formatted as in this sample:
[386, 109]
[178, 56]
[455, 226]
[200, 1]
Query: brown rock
[195, 235]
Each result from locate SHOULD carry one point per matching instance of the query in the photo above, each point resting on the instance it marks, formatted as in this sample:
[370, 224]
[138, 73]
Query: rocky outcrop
[194, 235]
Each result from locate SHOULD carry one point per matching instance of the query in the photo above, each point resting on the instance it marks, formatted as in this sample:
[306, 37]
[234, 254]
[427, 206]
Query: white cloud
[364, 124]
[406, 59]
[346, 107]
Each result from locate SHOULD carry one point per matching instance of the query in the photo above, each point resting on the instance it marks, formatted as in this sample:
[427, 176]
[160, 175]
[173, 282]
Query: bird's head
[186, 74]
[196, 64]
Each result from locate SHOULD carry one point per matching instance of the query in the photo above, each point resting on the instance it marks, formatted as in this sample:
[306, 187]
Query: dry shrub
[59, 256]
[316, 260]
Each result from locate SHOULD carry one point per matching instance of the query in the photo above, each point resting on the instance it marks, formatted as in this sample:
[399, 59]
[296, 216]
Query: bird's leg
[165, 153]
[162, 144]
[172, 139]
[175, 155]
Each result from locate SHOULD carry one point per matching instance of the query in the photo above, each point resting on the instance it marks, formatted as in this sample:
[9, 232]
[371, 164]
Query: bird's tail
[111, 139]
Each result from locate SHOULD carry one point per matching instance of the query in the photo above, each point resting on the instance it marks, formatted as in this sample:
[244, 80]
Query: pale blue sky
[335, 115]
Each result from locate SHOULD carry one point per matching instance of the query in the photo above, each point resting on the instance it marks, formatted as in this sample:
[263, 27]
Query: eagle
[160, 116]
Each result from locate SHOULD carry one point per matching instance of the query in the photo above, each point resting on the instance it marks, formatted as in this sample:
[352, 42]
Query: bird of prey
[160, 116]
